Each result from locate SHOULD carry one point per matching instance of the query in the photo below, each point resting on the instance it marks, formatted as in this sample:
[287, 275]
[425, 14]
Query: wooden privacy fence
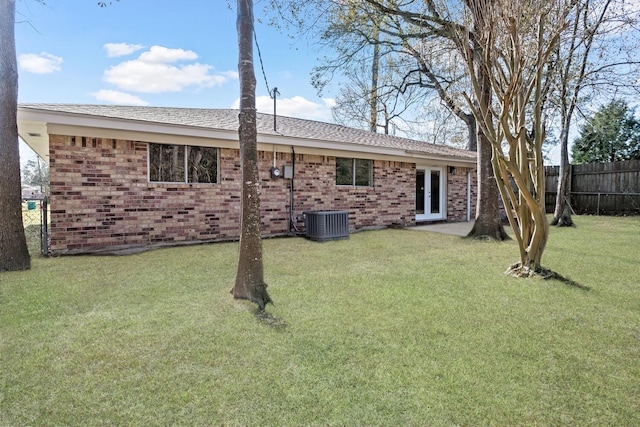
[599, 188]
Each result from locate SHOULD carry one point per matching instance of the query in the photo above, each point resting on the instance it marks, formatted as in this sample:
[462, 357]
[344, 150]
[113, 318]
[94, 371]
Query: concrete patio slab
[454, 228]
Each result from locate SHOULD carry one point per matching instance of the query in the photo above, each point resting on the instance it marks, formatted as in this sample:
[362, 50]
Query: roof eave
[36, 124]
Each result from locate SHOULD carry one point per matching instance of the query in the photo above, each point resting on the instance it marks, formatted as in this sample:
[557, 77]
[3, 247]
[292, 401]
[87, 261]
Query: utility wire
[255, 37]
[272, 93]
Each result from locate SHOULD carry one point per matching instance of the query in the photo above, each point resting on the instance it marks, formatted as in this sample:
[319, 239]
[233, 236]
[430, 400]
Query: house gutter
[449, 159]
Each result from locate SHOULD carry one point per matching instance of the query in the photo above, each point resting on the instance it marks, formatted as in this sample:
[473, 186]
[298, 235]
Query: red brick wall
[391, 200]
[458, 193]
[474, 194]
[101, 197]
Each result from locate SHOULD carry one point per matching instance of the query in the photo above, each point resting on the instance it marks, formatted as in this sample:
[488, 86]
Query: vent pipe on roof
[274, 95]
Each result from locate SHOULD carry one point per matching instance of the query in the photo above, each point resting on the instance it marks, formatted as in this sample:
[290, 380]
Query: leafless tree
[368, 66]
[517, 40]
[430, 24]
[597, 54]
[408, 27]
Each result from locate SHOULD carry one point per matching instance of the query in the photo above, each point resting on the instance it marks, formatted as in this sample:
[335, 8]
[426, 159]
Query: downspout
[292, 226]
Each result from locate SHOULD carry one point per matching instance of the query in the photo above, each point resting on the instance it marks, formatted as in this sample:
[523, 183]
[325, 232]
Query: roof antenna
[274, 96]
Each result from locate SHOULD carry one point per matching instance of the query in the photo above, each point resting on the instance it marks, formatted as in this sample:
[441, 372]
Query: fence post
[44, 227]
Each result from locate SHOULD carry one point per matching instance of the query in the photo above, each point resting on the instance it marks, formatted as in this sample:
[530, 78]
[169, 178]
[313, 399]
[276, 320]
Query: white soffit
[35, 125]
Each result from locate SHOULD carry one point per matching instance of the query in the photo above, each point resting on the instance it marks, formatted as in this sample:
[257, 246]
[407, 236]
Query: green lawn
[392, 327]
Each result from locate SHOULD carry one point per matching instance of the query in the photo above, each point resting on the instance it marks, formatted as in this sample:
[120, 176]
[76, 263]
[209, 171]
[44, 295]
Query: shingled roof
[227, 119]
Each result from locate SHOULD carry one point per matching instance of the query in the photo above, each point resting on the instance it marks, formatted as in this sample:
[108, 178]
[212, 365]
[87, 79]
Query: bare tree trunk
[488, 219]
[472, 142]
[562, 212]
[524, 85]
[14, 254]
[375, 69]
[250, 283]
[583, 33]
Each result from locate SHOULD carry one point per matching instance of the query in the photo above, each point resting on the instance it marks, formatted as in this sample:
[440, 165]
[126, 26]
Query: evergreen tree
[611, 134]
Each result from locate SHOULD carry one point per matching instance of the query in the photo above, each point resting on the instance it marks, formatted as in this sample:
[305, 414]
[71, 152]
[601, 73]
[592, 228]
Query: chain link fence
[35, 217]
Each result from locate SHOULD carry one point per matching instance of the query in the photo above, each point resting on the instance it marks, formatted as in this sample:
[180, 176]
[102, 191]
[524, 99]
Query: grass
[393, 327]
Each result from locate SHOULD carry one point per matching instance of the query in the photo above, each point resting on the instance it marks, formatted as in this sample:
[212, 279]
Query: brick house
[134, 177]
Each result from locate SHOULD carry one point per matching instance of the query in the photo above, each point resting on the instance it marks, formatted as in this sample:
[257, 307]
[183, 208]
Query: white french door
[430, 194]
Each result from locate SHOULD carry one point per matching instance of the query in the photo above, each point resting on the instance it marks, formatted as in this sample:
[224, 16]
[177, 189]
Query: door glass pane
[419, 192]
[435, 191]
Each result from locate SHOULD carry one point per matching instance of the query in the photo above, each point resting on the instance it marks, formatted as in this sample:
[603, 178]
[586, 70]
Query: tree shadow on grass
[568, 282]
[269, 320]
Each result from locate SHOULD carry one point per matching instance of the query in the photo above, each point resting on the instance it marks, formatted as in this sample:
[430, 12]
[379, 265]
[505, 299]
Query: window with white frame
[357, 172]
[183, 163]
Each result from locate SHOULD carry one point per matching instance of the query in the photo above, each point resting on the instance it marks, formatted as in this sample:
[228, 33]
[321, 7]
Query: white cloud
[154, 72]
[121, 49]
[164, 55]
[120, 98]
[329, 102]
[297, 106]
[43, 63]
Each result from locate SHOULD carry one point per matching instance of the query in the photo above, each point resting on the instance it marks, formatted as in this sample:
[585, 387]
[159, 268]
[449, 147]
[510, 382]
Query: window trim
[185, 165]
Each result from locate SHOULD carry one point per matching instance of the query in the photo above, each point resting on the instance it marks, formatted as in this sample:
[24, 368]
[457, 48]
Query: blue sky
[142, 52]
[158, 53]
